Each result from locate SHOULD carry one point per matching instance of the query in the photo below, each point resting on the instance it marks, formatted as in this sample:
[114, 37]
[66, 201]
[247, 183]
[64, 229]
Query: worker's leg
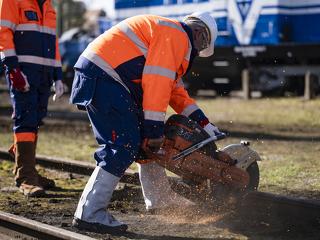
[44, 92]
[25, 130]
[156, 188]
[114, 120]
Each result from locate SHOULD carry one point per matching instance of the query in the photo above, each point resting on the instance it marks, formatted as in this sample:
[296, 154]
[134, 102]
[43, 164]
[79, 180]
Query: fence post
[308, 86]
[245, 84]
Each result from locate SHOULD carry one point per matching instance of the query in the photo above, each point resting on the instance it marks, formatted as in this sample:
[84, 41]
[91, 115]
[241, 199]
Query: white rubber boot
[156, 188]
[91, 213]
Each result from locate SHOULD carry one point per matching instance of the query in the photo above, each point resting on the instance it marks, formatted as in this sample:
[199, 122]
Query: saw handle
[150, 150]
[220, 136]
[152, 144]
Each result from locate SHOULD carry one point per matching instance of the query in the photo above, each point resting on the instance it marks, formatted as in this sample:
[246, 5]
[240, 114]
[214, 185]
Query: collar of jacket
[40, 3]
[194, 52]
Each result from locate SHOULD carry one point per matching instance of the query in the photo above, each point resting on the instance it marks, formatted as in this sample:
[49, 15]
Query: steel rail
[13, 227]
[73, 166]
[284, 205]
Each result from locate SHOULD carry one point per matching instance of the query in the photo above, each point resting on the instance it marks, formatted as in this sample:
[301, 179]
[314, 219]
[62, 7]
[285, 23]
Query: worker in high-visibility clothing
[126, 79]
[29, 52]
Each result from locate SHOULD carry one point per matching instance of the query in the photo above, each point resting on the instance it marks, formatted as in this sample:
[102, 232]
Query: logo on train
[244, 7]
[244, 15]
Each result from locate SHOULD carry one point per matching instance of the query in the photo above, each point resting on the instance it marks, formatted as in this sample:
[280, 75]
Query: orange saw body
[205, 163]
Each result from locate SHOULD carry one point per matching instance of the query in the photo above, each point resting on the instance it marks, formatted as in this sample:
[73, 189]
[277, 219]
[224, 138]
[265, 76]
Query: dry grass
[285, 132]
[275, 112]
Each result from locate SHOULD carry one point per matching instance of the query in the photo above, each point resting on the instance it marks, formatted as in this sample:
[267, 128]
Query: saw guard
[244, 155]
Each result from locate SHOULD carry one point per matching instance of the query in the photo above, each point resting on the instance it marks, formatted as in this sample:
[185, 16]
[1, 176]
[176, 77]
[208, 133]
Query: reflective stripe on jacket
[150, 51]
[28, 36]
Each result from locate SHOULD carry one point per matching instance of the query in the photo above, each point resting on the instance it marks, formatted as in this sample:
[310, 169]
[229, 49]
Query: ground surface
[200, 222]
[285, 132]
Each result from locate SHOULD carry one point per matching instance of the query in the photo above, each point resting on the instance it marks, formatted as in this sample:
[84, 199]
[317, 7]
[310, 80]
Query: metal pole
[308, 86]
[245, 84]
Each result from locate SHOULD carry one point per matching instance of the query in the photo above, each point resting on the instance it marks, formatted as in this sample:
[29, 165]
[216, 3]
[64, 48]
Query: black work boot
[98, 227]
[91, 213]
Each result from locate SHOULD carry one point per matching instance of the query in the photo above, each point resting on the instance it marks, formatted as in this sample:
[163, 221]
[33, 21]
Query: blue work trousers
[115, 119]
[29, 108]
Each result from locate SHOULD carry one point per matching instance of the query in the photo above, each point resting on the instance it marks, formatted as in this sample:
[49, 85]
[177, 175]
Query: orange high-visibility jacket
[152, 51]
[28, 36]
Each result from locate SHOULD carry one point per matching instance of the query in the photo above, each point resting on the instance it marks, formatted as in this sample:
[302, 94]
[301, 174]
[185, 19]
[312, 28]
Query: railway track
[69, 118]
[16, 227]
[301, 210]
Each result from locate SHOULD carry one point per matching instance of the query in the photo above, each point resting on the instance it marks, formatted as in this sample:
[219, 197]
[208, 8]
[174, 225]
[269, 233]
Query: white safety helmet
[210, 22]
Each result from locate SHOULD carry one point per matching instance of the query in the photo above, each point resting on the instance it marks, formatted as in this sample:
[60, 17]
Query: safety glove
[58, 88]
[212, 130]
[19, 80]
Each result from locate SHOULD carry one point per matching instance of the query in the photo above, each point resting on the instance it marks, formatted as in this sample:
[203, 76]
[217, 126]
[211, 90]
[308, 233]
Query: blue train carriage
[277, 40]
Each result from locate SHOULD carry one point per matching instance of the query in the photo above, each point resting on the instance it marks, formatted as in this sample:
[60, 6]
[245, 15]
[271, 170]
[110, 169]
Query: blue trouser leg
[29, 108]
[115, 122]
[43, 98]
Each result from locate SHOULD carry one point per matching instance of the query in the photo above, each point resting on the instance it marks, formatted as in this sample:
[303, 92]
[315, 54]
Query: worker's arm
[57, 72]
[183, 104]
[58, 66]
[57, 75]
[165, 56]
[9, 19]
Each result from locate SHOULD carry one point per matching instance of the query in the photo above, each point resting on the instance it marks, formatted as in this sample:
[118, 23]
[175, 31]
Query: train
[276, 41]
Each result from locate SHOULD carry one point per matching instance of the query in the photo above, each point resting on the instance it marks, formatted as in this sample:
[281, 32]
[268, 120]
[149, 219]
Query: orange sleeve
[180, 98]
[166, 53]
[9, 19]
[58, 57]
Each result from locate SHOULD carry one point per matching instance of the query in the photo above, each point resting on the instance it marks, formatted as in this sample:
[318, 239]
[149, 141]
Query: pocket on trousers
[83, 89]
[21, 106]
